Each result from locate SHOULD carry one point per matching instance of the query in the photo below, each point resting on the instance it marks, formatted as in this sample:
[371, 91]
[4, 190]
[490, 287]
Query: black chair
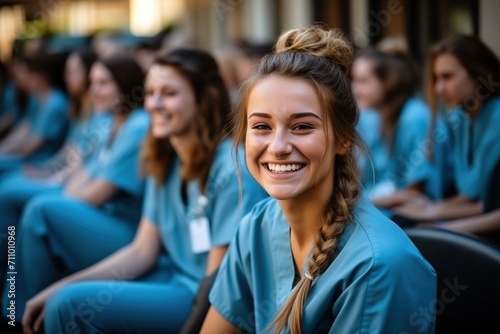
[468, 272]
[200, 306]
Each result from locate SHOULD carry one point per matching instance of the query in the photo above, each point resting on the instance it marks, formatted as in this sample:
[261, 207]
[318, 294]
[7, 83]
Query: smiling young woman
[316, 257]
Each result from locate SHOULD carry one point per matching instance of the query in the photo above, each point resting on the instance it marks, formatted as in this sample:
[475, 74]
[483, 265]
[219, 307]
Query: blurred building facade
[215, 23]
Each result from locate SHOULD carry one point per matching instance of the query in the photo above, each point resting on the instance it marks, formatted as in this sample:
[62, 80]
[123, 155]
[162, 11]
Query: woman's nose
[280, 144]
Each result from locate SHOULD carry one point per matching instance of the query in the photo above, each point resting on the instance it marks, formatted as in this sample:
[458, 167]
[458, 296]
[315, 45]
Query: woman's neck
[305, 214]
[42, 92]
[473, 111]
[182, 145]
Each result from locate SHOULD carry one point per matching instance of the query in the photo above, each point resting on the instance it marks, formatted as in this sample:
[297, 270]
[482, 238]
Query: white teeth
[279, 168]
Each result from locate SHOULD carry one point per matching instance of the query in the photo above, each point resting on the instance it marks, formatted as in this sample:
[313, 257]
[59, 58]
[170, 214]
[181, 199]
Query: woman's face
[452, 81]
[75, 75]
[367, 88]
[170, 101]
[289, 147]
[104, 90]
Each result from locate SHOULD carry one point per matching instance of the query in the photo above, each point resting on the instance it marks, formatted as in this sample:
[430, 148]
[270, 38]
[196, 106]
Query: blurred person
[317, 256]
[191, 210]
[249, 58]
[144, 53]
[76, 77]
[226, 60]
[7, 113]
[43, 129]
[97, 210]
[16, 189]
[464, 73]
[106, 44]
[394, 124]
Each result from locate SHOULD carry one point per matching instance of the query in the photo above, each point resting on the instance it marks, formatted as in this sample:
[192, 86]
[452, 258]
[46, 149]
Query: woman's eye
[303, 127]
[260, 127]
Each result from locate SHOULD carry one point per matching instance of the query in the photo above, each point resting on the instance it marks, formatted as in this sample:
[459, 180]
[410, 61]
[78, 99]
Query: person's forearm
[481, 224]
[455, 209]
[25, 147]
[17, 135]
[95, 192]
[5, 123]
[125, 264]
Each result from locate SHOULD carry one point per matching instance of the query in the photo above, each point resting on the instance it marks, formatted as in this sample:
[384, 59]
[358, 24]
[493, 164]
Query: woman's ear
[342, 147]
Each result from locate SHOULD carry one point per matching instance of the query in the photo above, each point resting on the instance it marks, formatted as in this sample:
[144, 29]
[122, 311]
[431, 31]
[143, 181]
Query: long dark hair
[477, 58]
[77, 103]
[212, 99]
[400, 80]
[129, 78]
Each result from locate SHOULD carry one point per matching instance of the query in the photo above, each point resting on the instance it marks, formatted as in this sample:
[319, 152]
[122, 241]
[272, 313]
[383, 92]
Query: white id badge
[200, 235]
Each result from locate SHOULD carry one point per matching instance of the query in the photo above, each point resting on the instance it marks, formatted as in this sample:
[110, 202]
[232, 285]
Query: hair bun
[330, 44]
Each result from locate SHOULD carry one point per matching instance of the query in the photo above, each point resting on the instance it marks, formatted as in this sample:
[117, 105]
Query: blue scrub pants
[58, 236]
[118, 307]
[15, 191]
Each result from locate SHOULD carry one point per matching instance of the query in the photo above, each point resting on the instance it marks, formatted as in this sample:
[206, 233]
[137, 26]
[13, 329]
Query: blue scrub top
[407, 163]
[163, 205]
[377, 283]
[8, 103]
[118, 163]
[49, 120]
[475, 147]
[88, 135]
[440, 184]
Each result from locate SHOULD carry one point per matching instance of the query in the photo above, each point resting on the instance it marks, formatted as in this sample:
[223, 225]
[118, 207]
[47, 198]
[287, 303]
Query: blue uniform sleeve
[412, 136]
[231, 294]
[150, 211]
[231, 204]
[51, 118]
[397, 295]
[121, 167]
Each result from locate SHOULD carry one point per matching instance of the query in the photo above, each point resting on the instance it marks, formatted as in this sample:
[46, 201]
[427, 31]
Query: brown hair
[79, 105]
[399, 76]
[478, 60]
[323, 58]
[212, 99]
[129, 79]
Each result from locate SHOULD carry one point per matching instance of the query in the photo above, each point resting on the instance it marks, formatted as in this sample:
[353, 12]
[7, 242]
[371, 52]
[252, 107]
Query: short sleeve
[231, 295]
[412, 134]
[52, 118]
[397, 295]
[150, 210]
[121, 167]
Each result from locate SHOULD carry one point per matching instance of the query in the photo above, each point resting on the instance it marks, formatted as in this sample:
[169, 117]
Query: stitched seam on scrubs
[369, 288]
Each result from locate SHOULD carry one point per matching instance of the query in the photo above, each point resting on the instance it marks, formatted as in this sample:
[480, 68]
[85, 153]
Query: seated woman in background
[394, 125]
[13, 99]
[42, 131]
[317, 257]
[16, 189]
[76, 148]
[191, 210]
[463, 72]
[98, 209]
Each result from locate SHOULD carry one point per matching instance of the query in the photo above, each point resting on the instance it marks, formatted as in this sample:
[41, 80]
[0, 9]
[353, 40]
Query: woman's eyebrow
[304, 114]
[259, 114]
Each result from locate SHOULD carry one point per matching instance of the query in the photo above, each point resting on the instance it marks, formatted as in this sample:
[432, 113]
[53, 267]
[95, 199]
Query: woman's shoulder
[137, 122]
[380, 241]
[224, 162]
[494, 105]
[415, 109]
